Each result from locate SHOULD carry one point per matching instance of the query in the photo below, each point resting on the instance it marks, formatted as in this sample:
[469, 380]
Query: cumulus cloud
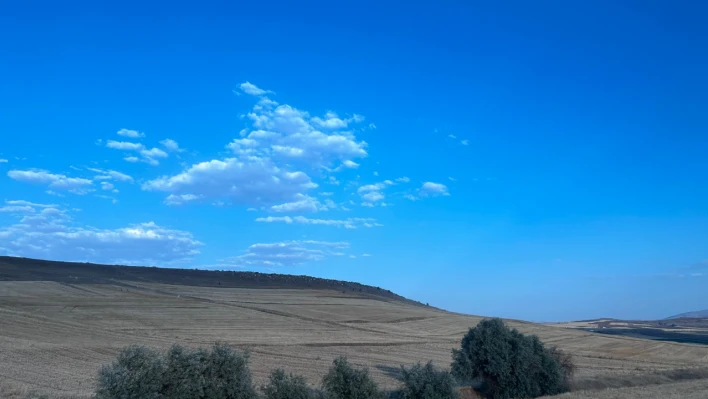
[305, 203]
[250, 88]
[133, 134]
[349, 223]
[50, 232]
[124, 145]
[430, 189]
[171, 145]
[372, 193]
[286, 253]
[74, 185]
[272, 159]
[149, 156]
[251, 181]
[403, 179]
[288, 134]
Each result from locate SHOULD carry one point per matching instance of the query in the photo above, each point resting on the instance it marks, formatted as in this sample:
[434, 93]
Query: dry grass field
[55, 335]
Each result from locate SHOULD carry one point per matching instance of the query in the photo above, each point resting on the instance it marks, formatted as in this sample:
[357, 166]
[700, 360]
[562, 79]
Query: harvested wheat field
[55, 334]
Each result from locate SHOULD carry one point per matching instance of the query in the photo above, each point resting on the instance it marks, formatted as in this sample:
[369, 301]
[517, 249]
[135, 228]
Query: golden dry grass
[681, 390]
[54, 336]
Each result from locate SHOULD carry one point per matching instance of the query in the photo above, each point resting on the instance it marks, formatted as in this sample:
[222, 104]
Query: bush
[136, 373]
[425, 382]
[344, 382]
[181, 373]
[286, 386]
[510, 364]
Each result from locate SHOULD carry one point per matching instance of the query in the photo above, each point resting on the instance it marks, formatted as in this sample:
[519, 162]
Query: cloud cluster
[75, 185]
[272, 160]
[138, 152]
[48, 231]
[349, 223]
[286, 253]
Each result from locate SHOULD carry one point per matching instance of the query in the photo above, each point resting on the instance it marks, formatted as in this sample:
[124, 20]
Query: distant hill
[26, 269]
[699, 314]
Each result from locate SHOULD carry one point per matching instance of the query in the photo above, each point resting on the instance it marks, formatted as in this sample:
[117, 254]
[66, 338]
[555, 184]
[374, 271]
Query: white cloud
[108, 197]
[171, 145]
[452, 136]
[349, 223]
[133, 134]
[252, 181]
[110, 175]
[287, 133]
[403, 179]
[51, 233]
[124, 145]
[179, 199]
[327, 194]
[371, 193]
[410, 197]
[350, 164]
[273, 159]
[148, 156]
[286, 253]
[305, 203]
[373, 196]
[452, 179]
[74, 185]
[376, 173]
[250, 88]
[16, 209]
[430, 189]
[107, 186]
[365, 255]
[3, 160]
[464, 142]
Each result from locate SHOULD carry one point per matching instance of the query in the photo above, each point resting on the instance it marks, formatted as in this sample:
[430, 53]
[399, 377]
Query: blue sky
[536, 160]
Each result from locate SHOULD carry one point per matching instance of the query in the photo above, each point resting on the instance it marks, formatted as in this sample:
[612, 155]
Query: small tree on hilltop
[425, 382]
[510, 364]
[345, 382]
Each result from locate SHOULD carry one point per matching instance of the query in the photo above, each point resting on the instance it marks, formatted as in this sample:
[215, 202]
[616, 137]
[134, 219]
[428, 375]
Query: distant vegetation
[501, 362]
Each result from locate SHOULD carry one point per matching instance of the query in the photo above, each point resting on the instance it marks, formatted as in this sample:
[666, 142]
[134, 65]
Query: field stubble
[54, 336]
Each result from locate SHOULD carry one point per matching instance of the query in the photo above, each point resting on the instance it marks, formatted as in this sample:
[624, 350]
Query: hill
[25, 269]
[699, 314]
[61, 321]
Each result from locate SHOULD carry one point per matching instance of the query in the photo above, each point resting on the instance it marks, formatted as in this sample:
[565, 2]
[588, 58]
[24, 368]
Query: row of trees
[501, 362]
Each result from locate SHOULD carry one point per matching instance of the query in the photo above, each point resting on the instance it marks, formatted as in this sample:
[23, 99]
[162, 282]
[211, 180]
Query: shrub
[286, 386]
[136, 373]
[342, 381]
[425, 382]
[181, 373]
[510, 364]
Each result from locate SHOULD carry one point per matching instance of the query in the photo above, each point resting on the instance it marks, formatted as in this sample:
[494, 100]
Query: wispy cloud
[350, 223]
[286, 253]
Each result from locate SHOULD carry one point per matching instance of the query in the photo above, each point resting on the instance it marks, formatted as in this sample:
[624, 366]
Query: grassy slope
[55, 334]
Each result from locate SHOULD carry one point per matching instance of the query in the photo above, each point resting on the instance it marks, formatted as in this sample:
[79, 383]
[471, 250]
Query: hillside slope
[699, 314]
[55, 333]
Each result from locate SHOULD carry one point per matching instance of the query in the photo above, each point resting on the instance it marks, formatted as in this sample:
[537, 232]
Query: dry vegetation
[54, 336]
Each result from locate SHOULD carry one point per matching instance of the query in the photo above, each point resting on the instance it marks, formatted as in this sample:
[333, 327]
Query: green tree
[425, 382]
[286, 386]
[136, 373]
[342, 381]
[509, 364]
